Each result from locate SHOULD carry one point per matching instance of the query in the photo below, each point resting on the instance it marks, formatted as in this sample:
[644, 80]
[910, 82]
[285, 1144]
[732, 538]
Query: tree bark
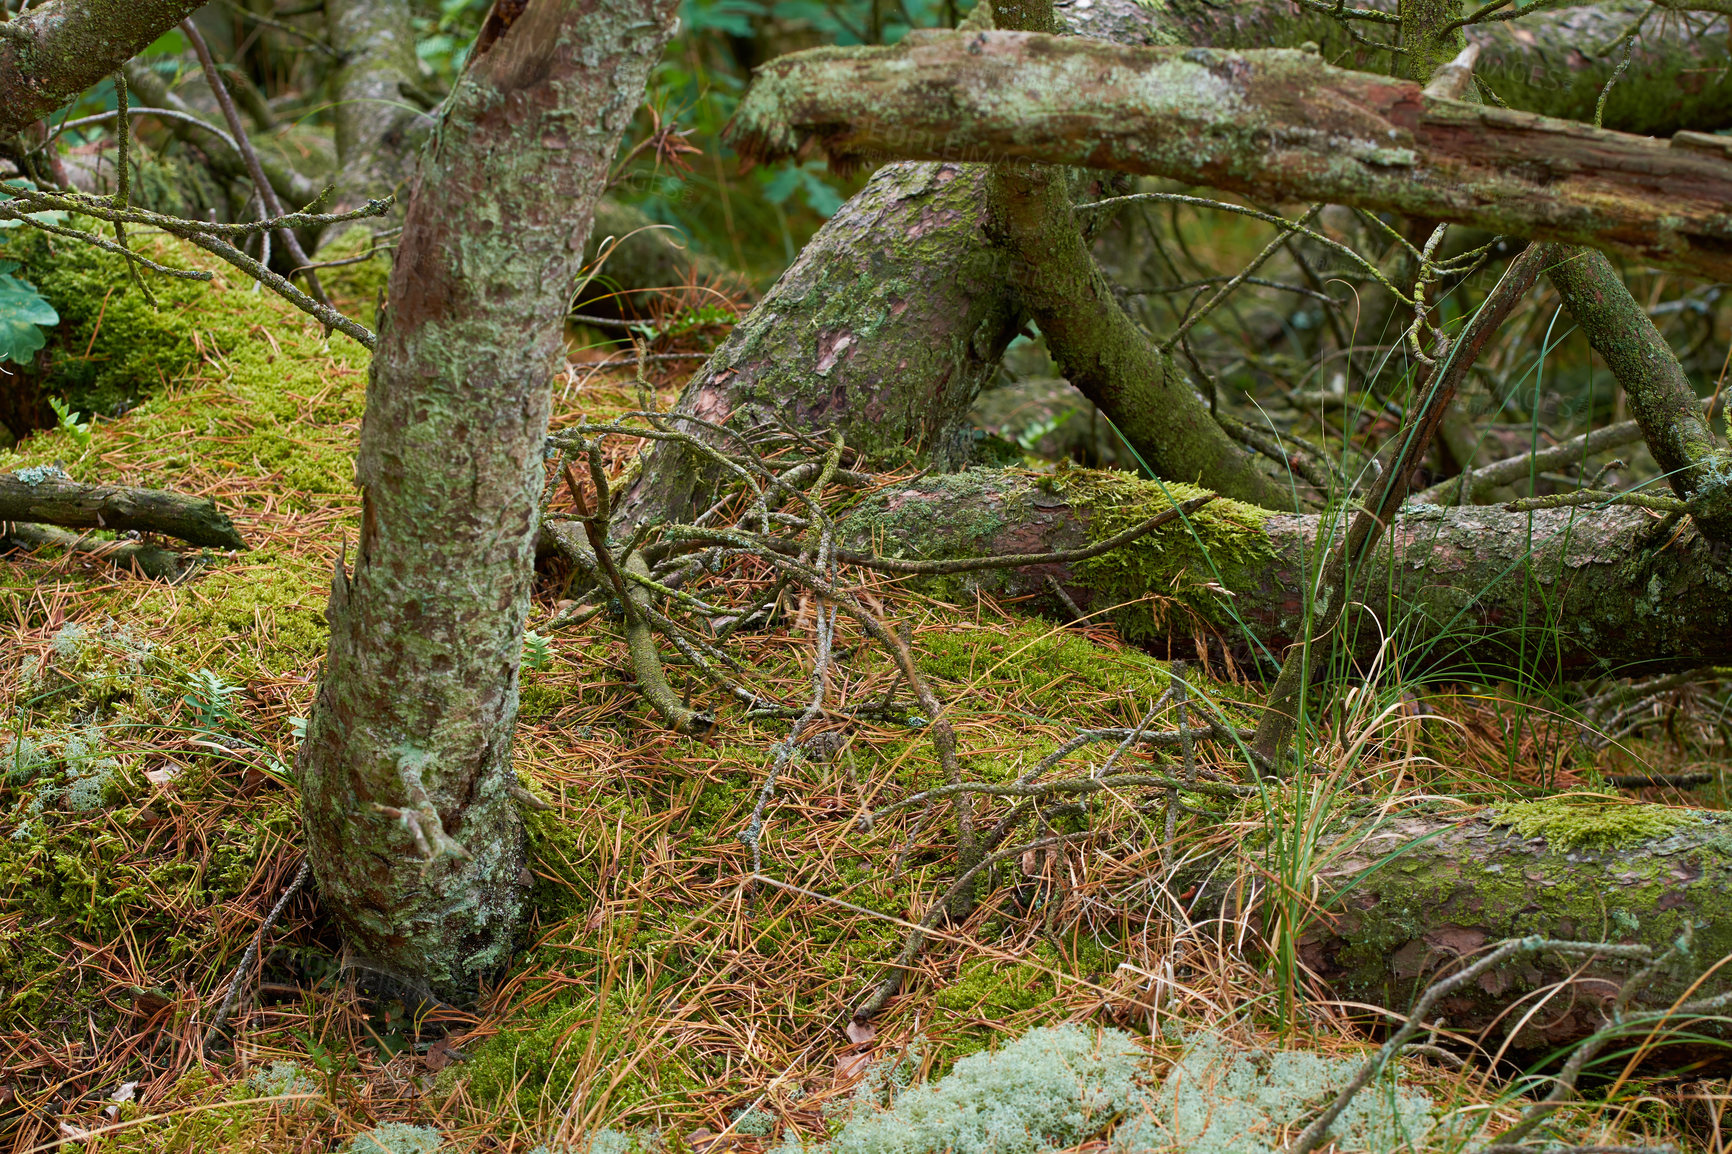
[450, 470]
[1662, 399]
[883, 330]
[379, 132]
[50, 55]
[59, 500]
[1457, 589]
[1102, 352]
[1392, 925]
[1269, 124]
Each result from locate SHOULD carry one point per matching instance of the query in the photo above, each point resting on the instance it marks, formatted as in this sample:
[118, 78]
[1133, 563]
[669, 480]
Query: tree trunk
[1274, 125]
[379, 131]
[1588, 872]
[50, 55]
[884, 330]
[1451, 587]
[406, 777]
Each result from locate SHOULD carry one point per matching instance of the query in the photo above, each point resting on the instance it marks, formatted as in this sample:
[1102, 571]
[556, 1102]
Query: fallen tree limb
[897, 311]
[1593, 870]
[157, 564]
[50, 496]
[1271, 124]
[1453, 588]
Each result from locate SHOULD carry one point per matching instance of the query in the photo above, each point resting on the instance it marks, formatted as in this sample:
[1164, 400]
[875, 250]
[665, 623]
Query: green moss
[263, 614]
[990, 989]
[1054, 671]
[532, 1068]
[1176, 569]
[239, 381]
[111, 347]
[1574, 822]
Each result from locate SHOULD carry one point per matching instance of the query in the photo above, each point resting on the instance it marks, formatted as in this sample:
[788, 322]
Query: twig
[253, 948]
[1314, 1134]
[267, 194]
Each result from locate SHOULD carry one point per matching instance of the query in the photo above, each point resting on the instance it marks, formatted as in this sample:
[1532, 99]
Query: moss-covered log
[1271, 124]
[1472, 588]
[1555, 63]
[49, 495]
[1408, 897]
[894, 368]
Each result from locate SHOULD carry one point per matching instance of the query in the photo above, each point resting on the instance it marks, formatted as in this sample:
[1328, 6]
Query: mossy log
[1274, 124]
[1554, 63]
[50, 496]
[1407, 899]
[157, 564]
[1473, 588]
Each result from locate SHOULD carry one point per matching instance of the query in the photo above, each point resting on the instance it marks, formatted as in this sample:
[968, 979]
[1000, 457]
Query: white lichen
[1051, 1088]
[394, 1138]
[1221, 1100]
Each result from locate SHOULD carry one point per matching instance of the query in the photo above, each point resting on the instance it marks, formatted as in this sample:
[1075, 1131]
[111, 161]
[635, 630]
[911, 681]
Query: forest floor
[150, 823]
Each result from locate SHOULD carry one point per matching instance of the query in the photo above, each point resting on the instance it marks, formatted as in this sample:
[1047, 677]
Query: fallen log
[44, 494]
[1466, 589]
[1273, 124]
[1404, 901]
[151, 561]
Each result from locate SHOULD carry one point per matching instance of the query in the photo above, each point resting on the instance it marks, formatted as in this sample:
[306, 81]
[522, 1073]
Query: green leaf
[22, 311]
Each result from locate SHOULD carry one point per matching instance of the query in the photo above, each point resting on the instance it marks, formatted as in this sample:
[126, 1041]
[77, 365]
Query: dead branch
[49, 495]
[1269, 124]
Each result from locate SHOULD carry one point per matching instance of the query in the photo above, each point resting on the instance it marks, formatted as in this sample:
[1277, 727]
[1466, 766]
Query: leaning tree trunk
[883, 331]
[406, 778]
[1453, 588]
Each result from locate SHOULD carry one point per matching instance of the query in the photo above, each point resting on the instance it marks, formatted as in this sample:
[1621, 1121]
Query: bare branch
[1271, 124]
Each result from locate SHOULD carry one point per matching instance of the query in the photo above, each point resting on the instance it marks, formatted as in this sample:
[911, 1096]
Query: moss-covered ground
[147, 735]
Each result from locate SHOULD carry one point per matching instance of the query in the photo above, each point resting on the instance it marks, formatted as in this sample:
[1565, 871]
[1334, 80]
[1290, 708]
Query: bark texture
[1462, 589]
[1662, 399]
[58, 500]
[1553, 63]
[1607, 873]
[884, 329]
[407, 797]
[379, 131]
[53, 53]
[1276, 125]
